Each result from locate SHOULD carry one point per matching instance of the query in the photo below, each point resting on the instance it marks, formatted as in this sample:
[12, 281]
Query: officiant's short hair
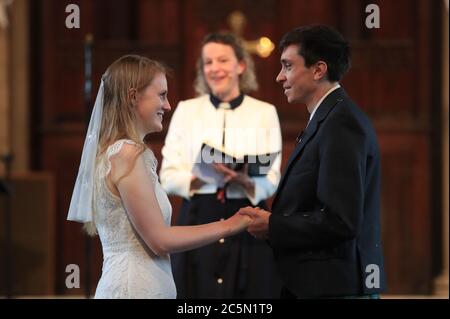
[247, 80]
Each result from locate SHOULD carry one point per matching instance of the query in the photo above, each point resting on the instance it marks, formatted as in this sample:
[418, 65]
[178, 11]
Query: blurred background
[399, 77]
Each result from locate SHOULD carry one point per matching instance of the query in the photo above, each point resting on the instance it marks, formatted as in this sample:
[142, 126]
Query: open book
[258, 165]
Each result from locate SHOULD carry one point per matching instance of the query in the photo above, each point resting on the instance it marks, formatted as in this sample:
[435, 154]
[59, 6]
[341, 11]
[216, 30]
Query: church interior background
[399, 76]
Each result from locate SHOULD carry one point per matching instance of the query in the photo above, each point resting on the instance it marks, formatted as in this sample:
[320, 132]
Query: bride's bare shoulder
[123, 159]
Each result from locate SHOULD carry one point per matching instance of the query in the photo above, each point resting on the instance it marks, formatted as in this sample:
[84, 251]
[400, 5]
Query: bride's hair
[118, 118]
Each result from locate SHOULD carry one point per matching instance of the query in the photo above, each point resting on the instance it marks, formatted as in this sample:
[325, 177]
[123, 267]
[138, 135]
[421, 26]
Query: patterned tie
[301, 134]
[299, 137]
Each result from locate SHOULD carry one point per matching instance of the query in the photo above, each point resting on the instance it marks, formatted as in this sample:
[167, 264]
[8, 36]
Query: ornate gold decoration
[262, 46]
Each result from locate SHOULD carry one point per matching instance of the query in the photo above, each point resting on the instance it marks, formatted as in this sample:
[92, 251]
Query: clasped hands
[259, 224]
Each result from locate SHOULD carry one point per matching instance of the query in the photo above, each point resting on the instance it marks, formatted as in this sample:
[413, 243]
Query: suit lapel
[322, 111]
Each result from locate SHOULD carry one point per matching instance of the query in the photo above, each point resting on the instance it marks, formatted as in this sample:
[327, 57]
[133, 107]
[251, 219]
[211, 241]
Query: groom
[324, 227]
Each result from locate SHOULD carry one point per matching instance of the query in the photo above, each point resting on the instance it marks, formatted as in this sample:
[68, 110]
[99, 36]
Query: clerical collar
[234, 103]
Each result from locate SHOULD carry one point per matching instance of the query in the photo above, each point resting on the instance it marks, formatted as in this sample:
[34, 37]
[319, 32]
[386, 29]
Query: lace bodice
[130, 268]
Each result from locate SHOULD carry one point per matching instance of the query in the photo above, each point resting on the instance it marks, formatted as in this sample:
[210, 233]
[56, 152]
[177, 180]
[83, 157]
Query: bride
[117, 194]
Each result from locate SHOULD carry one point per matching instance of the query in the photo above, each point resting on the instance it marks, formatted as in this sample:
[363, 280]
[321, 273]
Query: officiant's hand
[196, 183]
[259, 227]
[229, 174]
[240, 177]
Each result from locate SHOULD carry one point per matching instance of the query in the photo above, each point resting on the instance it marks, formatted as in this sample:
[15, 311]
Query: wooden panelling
[33, 225]
[406, 215]
[398, 19]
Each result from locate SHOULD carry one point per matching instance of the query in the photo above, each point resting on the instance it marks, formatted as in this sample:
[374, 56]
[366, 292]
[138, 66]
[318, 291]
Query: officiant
[225, 117]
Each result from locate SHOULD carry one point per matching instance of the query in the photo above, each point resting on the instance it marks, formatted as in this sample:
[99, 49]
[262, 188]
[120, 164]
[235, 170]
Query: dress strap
[114, 149]
[151, 163]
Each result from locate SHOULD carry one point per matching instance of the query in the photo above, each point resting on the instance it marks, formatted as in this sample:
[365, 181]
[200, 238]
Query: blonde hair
[118, 118]
[247, 80]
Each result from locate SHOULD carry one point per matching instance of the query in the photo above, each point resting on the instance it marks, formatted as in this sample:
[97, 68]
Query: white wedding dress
[130, 268]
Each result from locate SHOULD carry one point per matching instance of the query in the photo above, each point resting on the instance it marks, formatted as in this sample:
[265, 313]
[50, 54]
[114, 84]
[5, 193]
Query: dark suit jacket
[325, 222]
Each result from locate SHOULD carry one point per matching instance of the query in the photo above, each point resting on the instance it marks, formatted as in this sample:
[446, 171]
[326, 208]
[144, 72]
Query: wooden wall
[32, 255]
[394, 78]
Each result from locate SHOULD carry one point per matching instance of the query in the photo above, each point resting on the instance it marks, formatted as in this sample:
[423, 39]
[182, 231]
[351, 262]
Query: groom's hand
[259, 227]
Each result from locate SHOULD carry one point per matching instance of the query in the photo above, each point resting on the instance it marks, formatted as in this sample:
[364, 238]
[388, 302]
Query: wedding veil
[81, 204]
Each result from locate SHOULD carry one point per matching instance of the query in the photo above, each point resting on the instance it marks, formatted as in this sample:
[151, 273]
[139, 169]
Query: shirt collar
[234, 103]
[321, 100]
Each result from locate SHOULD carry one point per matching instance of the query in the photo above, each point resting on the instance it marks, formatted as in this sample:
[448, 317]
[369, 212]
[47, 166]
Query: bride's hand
[238, 223]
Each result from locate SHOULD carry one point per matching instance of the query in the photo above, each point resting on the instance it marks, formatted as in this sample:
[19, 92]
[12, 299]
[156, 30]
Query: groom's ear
[320, 70]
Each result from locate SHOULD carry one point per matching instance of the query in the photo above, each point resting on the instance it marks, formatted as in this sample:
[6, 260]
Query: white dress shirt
[321, 100]
[251, 128]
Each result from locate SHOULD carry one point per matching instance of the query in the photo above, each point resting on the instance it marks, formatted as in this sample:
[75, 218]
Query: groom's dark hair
[320, 43]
